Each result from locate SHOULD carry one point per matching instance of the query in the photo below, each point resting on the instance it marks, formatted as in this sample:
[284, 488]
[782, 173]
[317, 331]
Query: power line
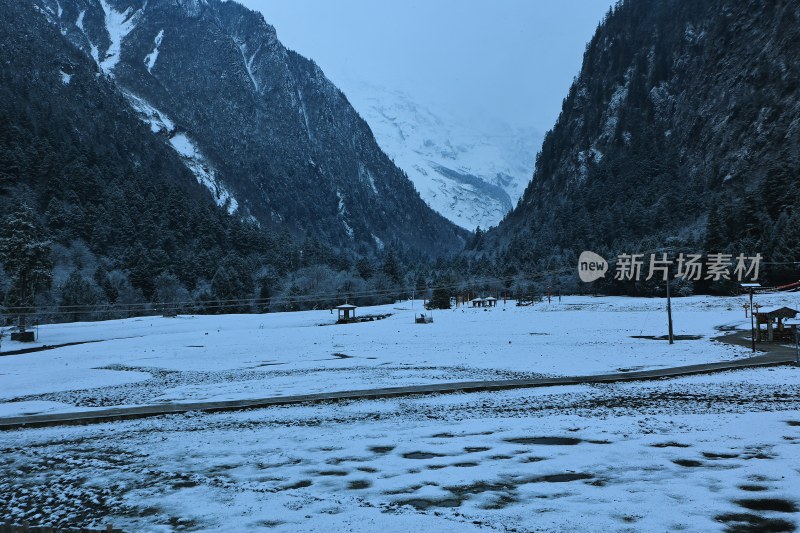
[284, 299]
[204, 305]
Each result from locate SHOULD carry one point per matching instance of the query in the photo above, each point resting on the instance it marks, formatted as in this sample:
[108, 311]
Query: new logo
[591, 267]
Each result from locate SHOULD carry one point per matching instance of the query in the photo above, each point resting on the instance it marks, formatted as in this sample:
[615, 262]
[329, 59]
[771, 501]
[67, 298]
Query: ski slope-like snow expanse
[700, 453]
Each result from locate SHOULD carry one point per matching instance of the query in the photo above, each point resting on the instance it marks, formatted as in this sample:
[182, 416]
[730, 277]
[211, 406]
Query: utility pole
[670, 334]
[669, 313]
[795, 325]
[751, 287]
[797, 343]
[752, 323]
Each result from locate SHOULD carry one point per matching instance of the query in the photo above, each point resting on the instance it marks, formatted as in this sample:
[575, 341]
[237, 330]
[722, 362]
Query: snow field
[198, 358]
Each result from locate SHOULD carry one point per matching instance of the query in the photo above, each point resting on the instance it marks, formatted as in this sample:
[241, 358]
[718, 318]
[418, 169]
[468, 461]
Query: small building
[347, 313]
[484, 302]
[775, 330]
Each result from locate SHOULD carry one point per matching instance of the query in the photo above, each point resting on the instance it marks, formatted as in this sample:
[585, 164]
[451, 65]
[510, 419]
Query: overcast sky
[513, 59]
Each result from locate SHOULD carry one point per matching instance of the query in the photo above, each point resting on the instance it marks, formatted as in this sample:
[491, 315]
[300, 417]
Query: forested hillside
[122, 215]
[682, 130]
[260, 125]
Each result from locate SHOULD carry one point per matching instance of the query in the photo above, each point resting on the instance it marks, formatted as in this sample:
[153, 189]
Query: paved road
[774, 355]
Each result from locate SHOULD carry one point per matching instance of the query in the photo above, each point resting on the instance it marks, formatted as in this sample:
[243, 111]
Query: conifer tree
[78, 297]
[25, 257]
[440, 299]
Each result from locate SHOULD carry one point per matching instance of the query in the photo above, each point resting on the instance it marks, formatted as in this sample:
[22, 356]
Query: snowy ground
[196, 358]
[699, 453]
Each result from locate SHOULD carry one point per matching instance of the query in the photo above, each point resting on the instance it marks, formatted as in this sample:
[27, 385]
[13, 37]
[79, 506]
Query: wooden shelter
[347, 313]
[484, 302]
[775, 330]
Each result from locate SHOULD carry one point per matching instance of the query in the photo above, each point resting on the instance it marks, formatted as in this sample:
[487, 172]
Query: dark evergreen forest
[680, 133]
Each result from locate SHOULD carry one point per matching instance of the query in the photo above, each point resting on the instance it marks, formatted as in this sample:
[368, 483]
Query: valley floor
[700, 453]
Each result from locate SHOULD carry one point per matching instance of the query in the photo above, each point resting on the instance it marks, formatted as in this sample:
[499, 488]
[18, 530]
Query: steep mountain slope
[259, 125]
[129, 206]
[683, 128]
[470, 169]
[74, 151]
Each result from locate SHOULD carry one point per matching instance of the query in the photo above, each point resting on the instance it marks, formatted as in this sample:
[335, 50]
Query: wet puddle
[303, 483]
[481, 487]
[746, 522]
[448, 435]
[546, 441]
[711, 455]
[421, 455]
[561, 478]
[533, 459]
[381, 449]
[768, 504]
[753, 488]
[476, 449]
[689, 463]
[758, 455]
[339, 460]
[423, 504]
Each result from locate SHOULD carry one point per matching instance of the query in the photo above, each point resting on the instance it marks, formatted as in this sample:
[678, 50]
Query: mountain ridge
[681, 130]
[254, 121]
[136, 193]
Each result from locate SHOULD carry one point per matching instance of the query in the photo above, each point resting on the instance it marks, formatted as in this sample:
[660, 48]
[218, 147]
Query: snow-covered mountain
[471, 169]
[260, 126]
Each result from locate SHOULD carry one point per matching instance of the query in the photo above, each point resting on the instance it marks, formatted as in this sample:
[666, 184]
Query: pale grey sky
[513, 59]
